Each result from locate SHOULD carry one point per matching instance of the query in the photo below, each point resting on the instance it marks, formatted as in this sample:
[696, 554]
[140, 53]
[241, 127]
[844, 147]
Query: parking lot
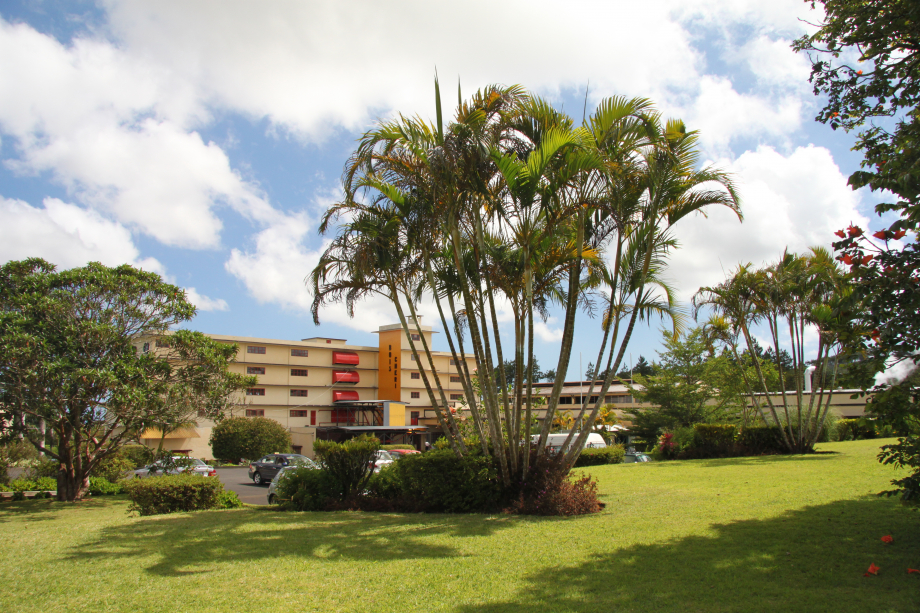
[237, 480]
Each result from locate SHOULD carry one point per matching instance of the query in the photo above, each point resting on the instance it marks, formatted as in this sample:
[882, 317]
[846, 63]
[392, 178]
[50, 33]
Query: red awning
[344, 395]
[345, 376]
[345, 357]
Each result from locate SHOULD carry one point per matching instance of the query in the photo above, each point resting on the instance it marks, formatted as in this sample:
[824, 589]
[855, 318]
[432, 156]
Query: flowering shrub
[667, 447]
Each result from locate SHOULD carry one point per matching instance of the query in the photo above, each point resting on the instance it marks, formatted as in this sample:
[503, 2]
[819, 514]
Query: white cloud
[795, 201]
[775, 63]
[203, 303]
[66, 235]
[113, 129]
[545, 333]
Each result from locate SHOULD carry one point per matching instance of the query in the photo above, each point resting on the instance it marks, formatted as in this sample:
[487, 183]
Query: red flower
[873, 570]
[859, 72]
[881, 235]
[866, 259]
[854, 231]
[840, 233]
[911, 571]
[848, 259]
[899, 234]
[887, 538]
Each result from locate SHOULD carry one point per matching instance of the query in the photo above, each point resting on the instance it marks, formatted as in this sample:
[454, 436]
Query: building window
[565, 400]
[297, 449]
[255, 370]
[146, 347]
[416, 337]
[300, 393]
[454, 379]
[312, 418]
[255, 412]
[453, 362]
[412, 357]
[300, 353]
[416, 394]
[252, 349]
[298, 372]
[413, 418]
[255, 391]
[456, 396]
[416, 375]
[300, 413]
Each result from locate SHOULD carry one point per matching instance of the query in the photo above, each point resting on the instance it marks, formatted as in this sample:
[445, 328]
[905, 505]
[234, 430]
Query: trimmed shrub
[29, 485]
[598, 456]
[350, 463]
[713, 440]
[439, 482]
[100, 486]
[855, 429]
[760, 440]
[229, 500]
[236, 438]
[388, 447]
[173, 494]
[306, 489]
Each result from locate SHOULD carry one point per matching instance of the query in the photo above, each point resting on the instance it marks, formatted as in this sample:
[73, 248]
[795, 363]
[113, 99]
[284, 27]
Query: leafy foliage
[238, 438]
[350, 463]
[304, 488]
[69, 359]
[612, 454]
[173, 494]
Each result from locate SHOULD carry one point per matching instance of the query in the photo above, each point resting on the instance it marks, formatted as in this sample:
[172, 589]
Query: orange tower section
[389, 379]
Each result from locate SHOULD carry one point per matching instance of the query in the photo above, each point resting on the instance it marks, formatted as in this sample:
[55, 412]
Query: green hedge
[711, 440]
[757, 440]
[388, 447]
[173, 494]
[30, 485]
[100, 486]
[306, 489]
[440, 482]
[855, 429]
[603, 455]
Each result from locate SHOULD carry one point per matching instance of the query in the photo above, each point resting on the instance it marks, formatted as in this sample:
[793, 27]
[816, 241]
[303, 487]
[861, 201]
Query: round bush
[306, 489]
[237, 438]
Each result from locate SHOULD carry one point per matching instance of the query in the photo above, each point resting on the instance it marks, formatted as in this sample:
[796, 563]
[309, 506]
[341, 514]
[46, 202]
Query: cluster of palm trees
[510, 205]
[790, 297]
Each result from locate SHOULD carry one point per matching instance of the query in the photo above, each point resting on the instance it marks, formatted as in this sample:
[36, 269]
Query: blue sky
[203, 140]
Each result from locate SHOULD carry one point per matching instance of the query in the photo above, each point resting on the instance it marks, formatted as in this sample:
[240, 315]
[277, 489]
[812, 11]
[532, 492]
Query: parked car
[264, 469]
[398, 454]
[554, 442]
[635, 456]
[383, 458]
[192, 465]
[273, 486]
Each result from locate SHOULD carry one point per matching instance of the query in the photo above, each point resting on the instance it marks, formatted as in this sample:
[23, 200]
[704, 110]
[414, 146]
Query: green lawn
[772, 534]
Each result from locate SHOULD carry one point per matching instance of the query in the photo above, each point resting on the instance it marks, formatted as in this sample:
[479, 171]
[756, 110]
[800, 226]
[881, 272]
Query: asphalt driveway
[237, 480]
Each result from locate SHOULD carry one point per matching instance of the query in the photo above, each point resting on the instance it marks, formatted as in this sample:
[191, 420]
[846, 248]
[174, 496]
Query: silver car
[273, 486]
[190, 465]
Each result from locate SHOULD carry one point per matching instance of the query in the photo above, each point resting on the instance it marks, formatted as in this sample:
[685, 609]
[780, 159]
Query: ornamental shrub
[30, 485]
[173, 494]
[760, 440]
[439, 482]
[100, 486]
[350, 463]
[238, 438]
[388, 447]
[138, 455]
[304, 488]
[855, 429]
[713, 440]
[551, 491]
[598, 456]
[113, 468]
[229, 500]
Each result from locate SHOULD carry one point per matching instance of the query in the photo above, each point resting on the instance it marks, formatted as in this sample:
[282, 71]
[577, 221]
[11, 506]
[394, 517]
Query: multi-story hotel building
[325, 388]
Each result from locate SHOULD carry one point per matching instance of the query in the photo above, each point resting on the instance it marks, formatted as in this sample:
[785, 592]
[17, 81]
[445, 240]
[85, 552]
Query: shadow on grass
[766, 459]
[45, 509]
[812, 559]
[195, 542]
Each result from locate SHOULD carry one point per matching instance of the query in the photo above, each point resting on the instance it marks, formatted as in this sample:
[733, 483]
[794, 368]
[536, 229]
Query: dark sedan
[264, 469]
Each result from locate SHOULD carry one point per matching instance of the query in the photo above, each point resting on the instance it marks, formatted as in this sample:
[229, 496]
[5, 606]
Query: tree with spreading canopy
[69, 356]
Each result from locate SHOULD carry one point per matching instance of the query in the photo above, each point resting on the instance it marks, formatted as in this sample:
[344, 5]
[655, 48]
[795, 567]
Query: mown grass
[791, 534]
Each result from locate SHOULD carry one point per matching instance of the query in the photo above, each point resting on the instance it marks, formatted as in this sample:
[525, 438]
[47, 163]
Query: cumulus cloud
[114, 131]
[66, 235]
[795, 201]
[203, 303]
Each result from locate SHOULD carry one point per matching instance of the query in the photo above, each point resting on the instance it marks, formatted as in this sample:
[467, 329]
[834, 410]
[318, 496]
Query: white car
[192, 465]
[383, 459]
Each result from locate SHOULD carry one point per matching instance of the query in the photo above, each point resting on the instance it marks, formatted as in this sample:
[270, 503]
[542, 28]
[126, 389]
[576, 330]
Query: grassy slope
[758, 534]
